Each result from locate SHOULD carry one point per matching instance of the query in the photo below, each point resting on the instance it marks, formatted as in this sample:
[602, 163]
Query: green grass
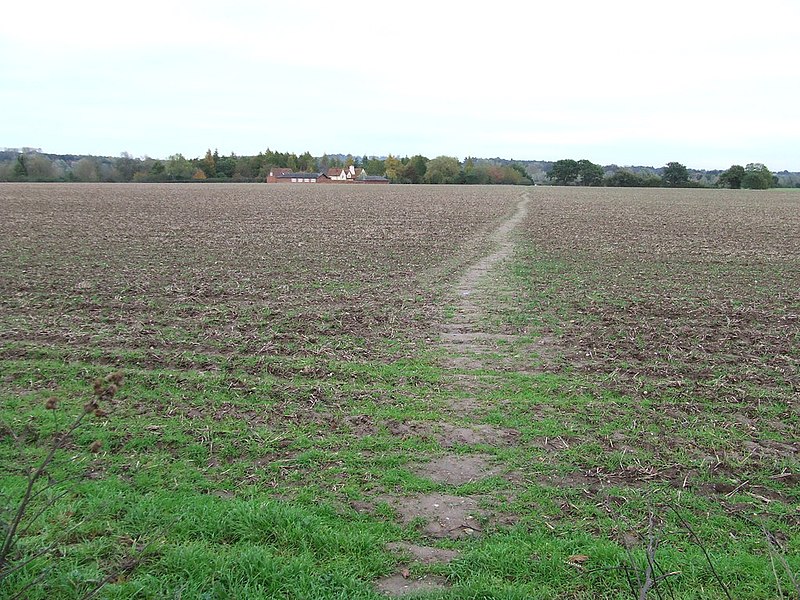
[249, 494]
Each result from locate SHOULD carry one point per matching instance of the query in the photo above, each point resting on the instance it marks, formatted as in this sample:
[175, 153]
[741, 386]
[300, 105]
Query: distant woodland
[33, 165]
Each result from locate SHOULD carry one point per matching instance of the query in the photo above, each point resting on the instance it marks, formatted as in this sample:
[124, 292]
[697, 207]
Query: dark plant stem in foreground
[8, 542]
[697, 541]
[104, 390]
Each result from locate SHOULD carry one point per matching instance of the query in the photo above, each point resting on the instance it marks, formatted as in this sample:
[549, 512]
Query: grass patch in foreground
[219, 491]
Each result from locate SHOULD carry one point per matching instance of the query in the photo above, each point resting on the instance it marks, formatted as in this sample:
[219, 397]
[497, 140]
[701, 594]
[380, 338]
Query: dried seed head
[116, 378]
[51, 404]
[110, 391]
[98, 386]
[90, 406]
[96, 446]
[100, 413]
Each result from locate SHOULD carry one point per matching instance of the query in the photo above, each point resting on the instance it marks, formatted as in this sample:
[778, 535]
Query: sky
[706, 83]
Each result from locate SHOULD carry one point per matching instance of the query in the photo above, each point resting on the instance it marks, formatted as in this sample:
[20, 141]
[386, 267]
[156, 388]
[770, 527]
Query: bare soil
[441, 515]
[478, 434]
[457, 469]
[173, 273]
[425, 555]
[461, 334]
[464, 343]
[401, 585]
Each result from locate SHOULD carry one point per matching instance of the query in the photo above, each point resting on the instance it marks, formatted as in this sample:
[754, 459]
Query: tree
[525, 178]
[40, 168]
[126, 166]
[20, 168]
[757, 177]
[675, 175]
[226, 166]
[86, 169]
[414, 169]
[108, 172]
[494, 173]
[476, 175]
[306, 163]
[245, 168]
[590, 173]
[392, 167]
[564, 172]
[623, 178]
[472, 175]
[443, 169]
[209, 164]
[732, 178]
[178, 167]
[374, 166]
[257, 165]
[158, 170]
[7, 170]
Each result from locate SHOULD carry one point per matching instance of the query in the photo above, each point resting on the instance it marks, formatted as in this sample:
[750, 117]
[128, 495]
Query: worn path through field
[447, 515]
[461, 335]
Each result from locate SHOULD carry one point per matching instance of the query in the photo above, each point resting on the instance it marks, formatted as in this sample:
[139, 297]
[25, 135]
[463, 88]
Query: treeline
[28, 164]
[754, 176]
[33, 165]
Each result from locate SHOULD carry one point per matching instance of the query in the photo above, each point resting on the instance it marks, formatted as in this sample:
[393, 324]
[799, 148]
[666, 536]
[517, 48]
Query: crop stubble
[682, 301]
[677, 295]
[693, 292]
[226, 269]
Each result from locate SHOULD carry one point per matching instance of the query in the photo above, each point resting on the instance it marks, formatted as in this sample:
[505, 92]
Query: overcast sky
[704, 82]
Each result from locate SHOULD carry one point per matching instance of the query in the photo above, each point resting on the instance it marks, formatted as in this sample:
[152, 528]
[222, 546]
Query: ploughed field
[348, 391]
[153, 272]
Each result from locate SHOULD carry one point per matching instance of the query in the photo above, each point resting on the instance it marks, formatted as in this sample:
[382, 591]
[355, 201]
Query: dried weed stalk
[39, 480]
[643, 579]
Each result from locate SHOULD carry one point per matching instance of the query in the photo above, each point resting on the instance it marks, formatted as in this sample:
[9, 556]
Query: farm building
[337, 174]
[276, 171]
[350, 174]
[287, 176]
